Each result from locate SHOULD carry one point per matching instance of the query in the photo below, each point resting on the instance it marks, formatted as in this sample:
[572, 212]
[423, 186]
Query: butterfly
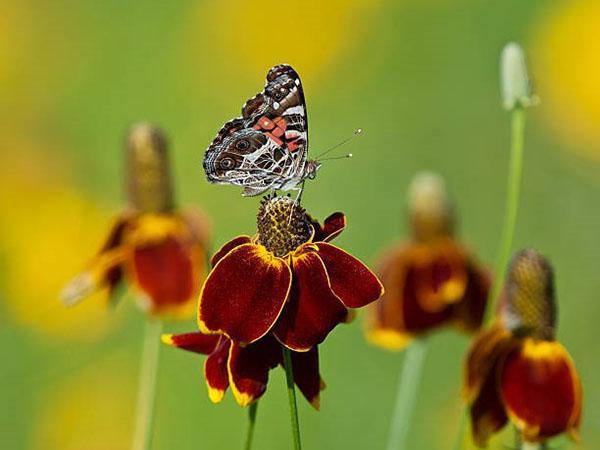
[267, 147]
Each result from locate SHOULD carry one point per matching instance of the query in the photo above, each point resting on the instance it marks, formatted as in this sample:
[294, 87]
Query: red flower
[159, 251]
[288, 280]
[516, 369]
[246, 368]
[431, 280]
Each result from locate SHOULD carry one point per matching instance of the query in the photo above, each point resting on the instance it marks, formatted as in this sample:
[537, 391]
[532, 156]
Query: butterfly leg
[296, 200]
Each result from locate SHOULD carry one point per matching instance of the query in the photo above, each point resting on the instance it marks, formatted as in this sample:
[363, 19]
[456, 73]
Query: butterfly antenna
[356, 133]
[349, 155]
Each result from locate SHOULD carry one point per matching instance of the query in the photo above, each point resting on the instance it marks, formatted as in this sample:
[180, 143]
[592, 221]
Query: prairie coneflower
[246, 368]
[158, 250]
[516, 370]
[271, 299]
[288, 279]
[431, 280]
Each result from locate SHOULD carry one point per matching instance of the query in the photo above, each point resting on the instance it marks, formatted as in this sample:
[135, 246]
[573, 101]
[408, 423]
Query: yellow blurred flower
[89, 410]
[255, 35]
[48, 228]
[567, 71]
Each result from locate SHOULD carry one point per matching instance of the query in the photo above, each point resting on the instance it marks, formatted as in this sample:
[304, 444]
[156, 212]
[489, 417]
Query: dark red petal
[487, 349]
[305, 367]
[416, 319]
[194, 342]
[244, 293]
[350, 279]
[313, 310]
[384, 319]
[249, 368]
[541, 389]
[332, 227]
[227, 247]
[114, 274]
[441, 280]
[165, 272]
[487, 412]
[105, 270]
[215, 371]
[470, 310]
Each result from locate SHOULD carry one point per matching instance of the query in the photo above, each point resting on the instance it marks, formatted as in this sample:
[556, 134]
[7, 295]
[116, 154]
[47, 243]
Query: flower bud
[148, 170]
[514, 79]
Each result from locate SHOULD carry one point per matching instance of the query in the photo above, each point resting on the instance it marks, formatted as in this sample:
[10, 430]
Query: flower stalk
[516, 90]
[251, 423]
[408, 385]
[144, 418]
[289, 376]
[512, 204]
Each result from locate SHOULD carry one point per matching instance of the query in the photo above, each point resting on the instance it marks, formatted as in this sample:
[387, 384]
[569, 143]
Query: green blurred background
[420, 76]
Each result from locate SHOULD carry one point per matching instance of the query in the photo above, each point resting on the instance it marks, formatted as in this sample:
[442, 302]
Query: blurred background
[421, 78]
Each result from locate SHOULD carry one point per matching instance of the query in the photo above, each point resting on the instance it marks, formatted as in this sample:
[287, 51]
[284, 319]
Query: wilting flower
[160, 251]
[431, 280]
[246, 368]
[516, 369]
[287, 279]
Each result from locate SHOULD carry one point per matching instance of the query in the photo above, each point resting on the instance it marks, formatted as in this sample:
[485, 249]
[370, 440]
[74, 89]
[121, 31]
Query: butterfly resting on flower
[266, 148]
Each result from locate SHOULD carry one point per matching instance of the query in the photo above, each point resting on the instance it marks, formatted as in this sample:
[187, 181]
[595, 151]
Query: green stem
[533, 446]
[289, 376]
[251, 422]
[462, 426]
[508, 229]
[511, 207]
[142, 437]
[518, 440]
[408, 385]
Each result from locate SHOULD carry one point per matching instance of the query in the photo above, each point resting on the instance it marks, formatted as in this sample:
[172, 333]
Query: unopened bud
[514, 78]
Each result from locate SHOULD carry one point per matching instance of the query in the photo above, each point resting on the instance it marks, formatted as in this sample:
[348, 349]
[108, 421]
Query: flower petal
[105, 270]
[249, 367]
[441, 279]
[313, 310]
[388, 338]
[541, 389]
[194, 342]
[350, 279]
[244, 293]
[384, 319]
[305, 367]
[114, 274]
[470, 310]
[487, 412]
[227, 247]
[487, 349]
[332, 227]
[215, 371]
[164, 271]
[416, 319]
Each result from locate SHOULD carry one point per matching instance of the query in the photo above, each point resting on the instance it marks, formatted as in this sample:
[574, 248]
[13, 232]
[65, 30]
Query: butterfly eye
[278, 95]
[242, 144]
[227, 163]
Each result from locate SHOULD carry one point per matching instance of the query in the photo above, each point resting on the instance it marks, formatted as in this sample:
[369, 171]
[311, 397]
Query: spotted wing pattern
[265, 148]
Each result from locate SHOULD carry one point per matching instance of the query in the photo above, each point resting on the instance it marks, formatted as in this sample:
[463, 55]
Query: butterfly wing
[266, 147]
